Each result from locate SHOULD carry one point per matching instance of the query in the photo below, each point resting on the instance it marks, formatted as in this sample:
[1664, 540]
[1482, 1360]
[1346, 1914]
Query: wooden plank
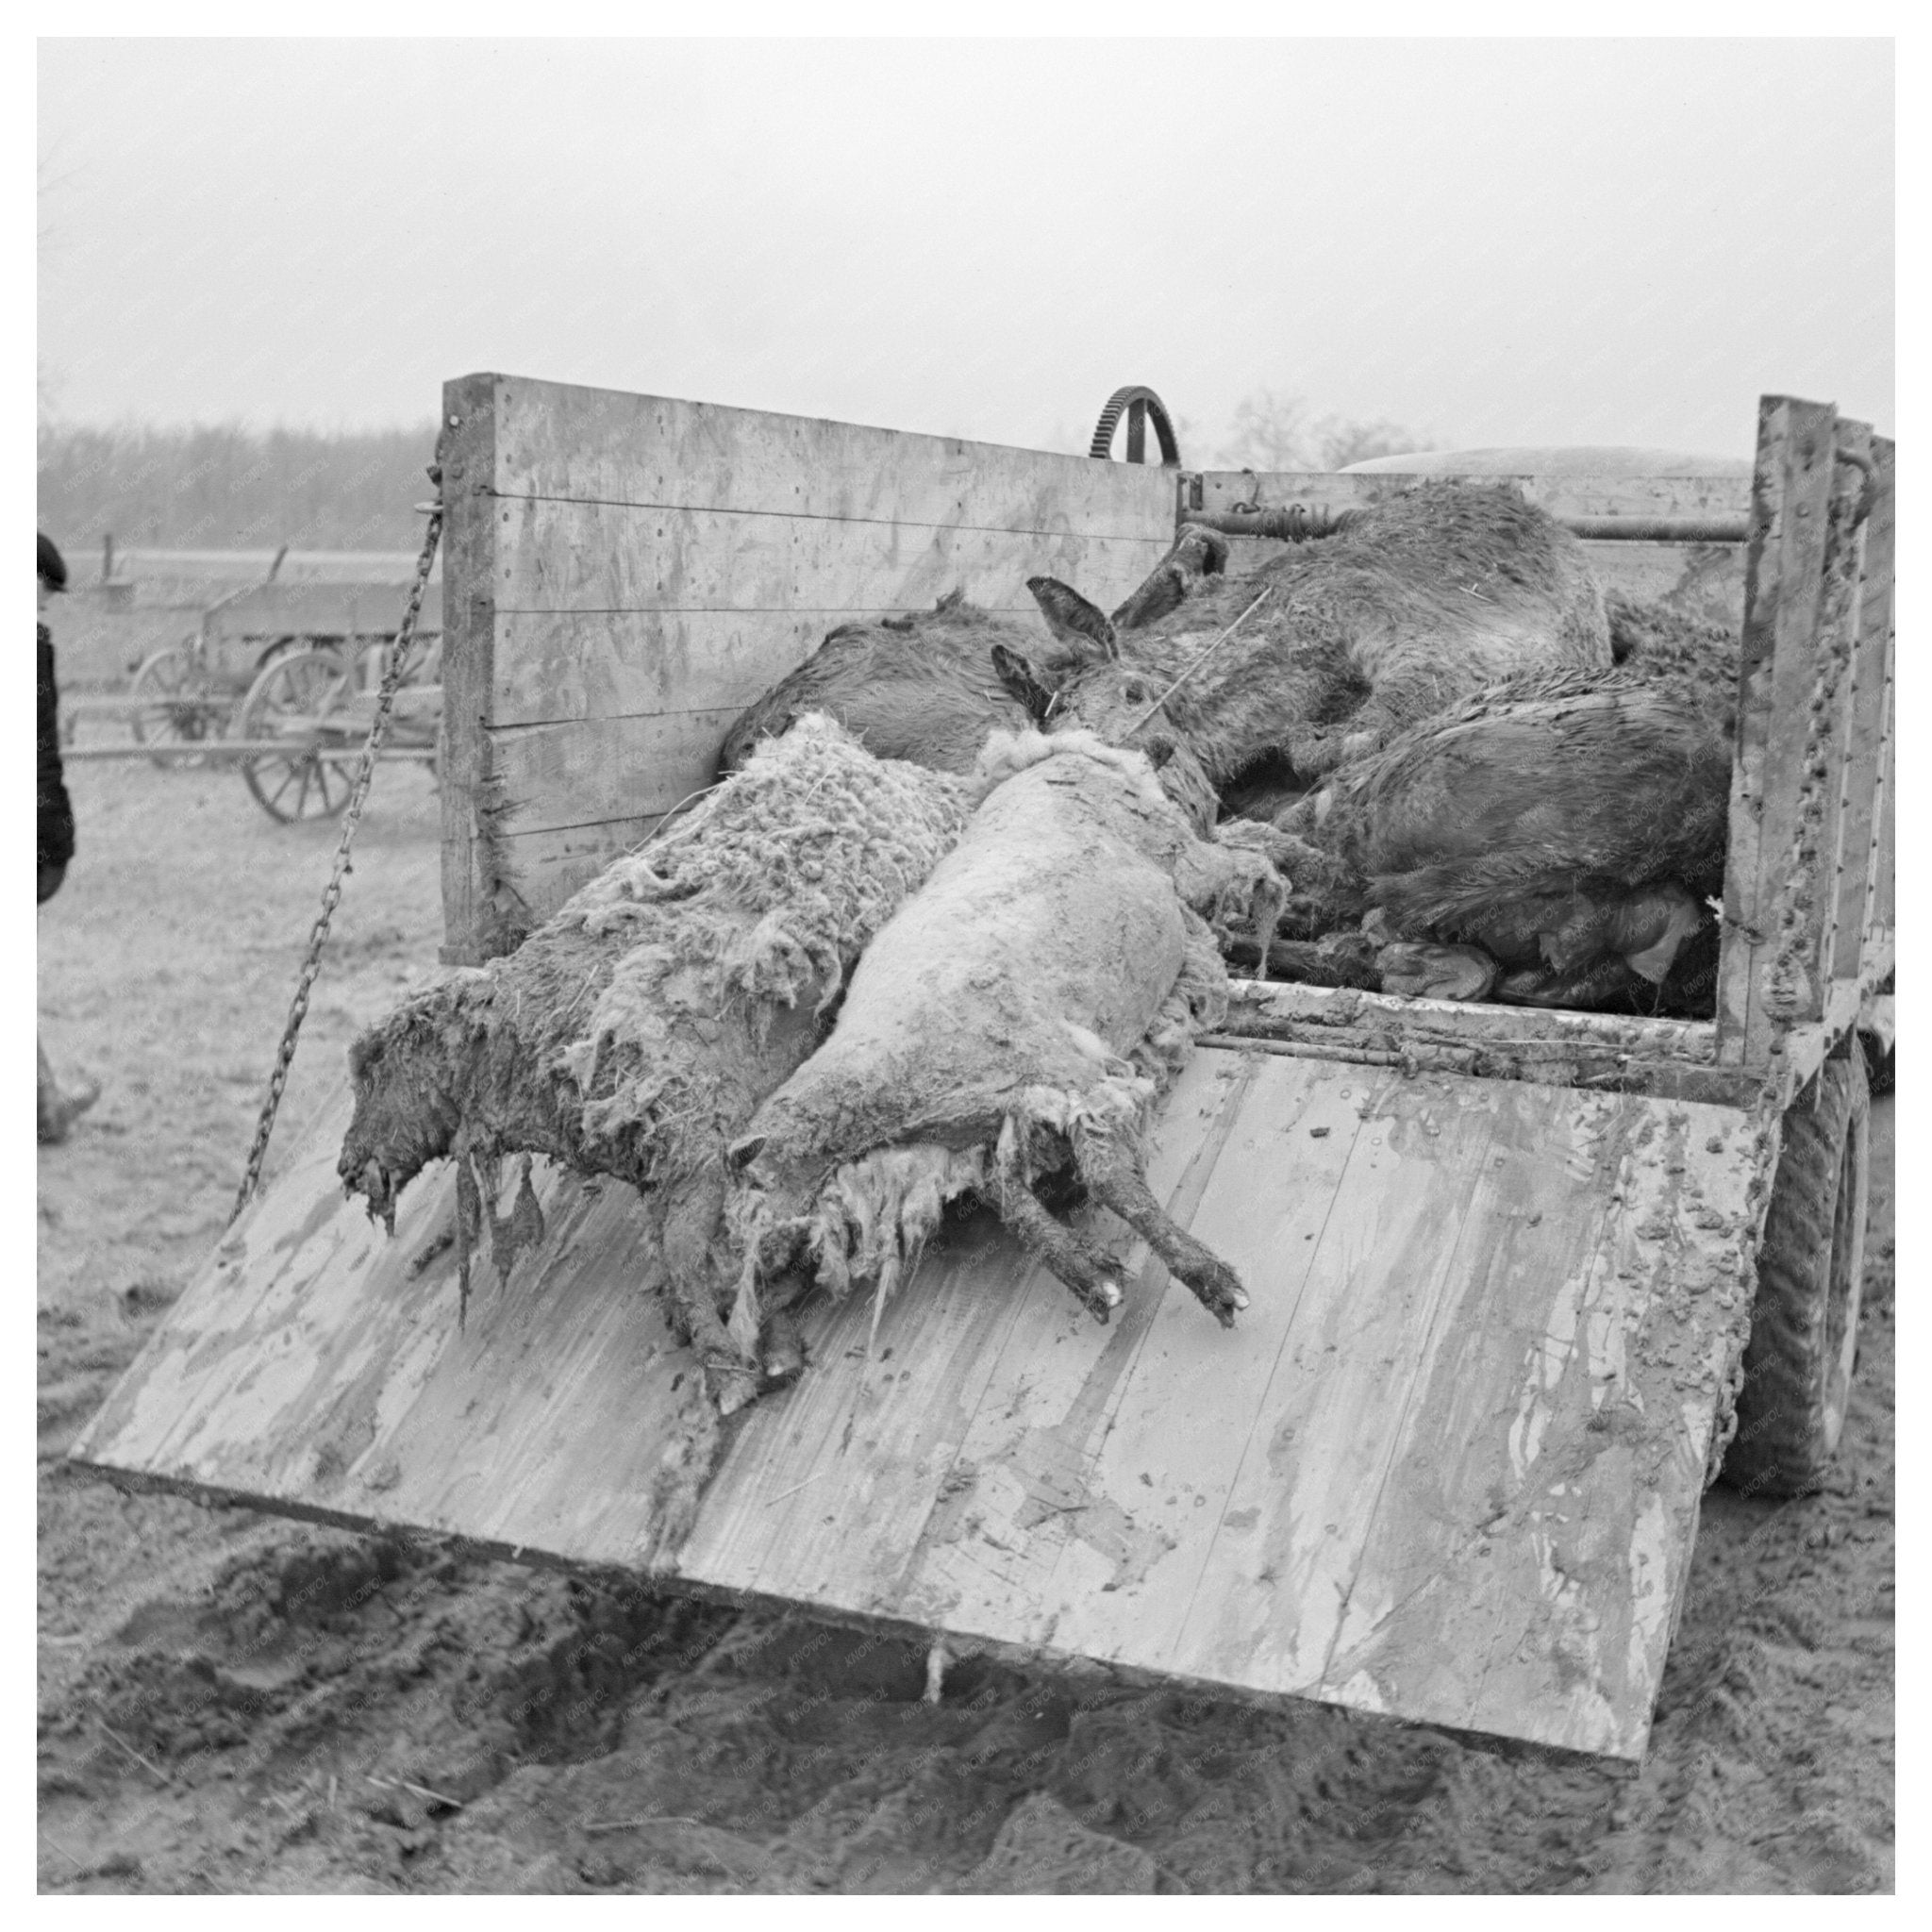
[1397, 1020]
[603, 558]
[1808, 1046]
[565, 442]
[597, 769]
[467, 452]
[534, 873]
[1297, 1514]
[1867, 798]
[1471, 1618]
[319, 1365]
[1837, 633]
[1060, 1508]
[1884, 885]
[1157, 1496]
[1562, 495]
[1784, 580]
[557, 665]
[621, 663]
[1177, 1465]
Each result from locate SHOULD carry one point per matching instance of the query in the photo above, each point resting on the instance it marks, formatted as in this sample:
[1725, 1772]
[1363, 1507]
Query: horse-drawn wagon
[1501, 1261]
[280, 678]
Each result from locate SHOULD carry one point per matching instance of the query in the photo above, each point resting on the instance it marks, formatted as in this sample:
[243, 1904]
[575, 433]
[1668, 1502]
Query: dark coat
[56, 813]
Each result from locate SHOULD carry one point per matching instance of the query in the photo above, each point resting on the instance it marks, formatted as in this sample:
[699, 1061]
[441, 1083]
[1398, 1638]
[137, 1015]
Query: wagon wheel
[275, 648]
[1137, 403]
[186, 706]
[1805, 1324]
[304, 697]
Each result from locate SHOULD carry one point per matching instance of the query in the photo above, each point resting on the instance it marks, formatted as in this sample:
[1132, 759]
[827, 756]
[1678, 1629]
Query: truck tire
[1881, 1048]
[1881, 1066]
[1810, 1265]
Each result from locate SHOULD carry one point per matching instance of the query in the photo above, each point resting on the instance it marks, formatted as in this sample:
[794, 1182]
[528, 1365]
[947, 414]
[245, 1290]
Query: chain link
[332, 893]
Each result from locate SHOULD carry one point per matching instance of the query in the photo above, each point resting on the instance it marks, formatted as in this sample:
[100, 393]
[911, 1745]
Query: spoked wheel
[185, 705]
[306, 699]
[276, 649]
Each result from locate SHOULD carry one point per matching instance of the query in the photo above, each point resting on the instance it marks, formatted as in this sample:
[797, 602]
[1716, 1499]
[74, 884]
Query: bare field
[231, 1702]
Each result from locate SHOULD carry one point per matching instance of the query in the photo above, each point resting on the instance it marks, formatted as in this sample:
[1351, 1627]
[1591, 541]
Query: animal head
[405, 1115]
[1117, 702]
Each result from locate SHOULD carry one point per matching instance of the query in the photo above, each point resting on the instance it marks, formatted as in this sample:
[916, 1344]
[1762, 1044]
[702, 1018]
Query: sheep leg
[1093, 1277]
[1118, 1183]
[1345, 962]
[1270, 895]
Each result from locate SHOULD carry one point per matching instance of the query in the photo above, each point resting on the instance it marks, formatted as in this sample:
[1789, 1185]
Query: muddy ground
[234, 1702]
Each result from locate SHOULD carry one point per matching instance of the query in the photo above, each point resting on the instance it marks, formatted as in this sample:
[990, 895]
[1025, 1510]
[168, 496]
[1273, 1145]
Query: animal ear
[953, 599]
[1019, 679]
[1072, 619]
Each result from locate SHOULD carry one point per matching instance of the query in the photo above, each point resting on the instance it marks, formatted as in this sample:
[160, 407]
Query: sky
[1526, 241]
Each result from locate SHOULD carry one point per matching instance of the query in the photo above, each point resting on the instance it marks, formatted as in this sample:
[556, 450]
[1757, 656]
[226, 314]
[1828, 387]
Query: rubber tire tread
[1780, 1449]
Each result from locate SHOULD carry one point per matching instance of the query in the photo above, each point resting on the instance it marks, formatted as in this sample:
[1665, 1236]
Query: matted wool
[1041, 992]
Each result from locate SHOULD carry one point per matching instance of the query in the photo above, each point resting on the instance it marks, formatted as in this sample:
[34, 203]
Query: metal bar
[418, 697]
[1296, 522]
[1720, 529]
[236, 750]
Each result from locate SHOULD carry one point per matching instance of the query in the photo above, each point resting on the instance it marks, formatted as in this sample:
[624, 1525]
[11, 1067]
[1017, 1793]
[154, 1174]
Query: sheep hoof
[1219, 1292]
[732, 1387]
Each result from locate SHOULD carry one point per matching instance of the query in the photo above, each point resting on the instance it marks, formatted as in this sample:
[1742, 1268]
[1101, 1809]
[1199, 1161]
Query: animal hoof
[1436, 973]
[781, 1353]
[1221, 1293]
[732, 1387]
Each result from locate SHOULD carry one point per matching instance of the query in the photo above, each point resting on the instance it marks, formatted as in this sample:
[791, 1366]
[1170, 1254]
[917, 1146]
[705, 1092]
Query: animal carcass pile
[1492, 785]
[1490, 790]
[959, 907]
[1031, 973]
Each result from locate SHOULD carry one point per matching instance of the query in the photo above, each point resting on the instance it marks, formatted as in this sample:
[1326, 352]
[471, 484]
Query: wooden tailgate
[1446, 1467]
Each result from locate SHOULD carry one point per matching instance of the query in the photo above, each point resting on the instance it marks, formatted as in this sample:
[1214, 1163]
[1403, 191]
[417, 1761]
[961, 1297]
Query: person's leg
[56, 1111]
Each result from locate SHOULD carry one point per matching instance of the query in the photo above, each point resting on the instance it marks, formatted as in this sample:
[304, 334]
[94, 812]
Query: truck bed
[1446, 1467]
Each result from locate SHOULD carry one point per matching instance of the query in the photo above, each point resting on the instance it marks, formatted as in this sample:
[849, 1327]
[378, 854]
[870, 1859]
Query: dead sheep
[635, 1033]
[1022, 1012]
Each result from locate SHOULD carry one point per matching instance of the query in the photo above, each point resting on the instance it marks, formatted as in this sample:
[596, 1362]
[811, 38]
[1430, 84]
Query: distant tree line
[227, 488]
[1274, 431]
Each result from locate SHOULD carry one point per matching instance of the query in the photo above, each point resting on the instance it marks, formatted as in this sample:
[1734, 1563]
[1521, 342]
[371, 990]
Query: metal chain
[332, 893]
